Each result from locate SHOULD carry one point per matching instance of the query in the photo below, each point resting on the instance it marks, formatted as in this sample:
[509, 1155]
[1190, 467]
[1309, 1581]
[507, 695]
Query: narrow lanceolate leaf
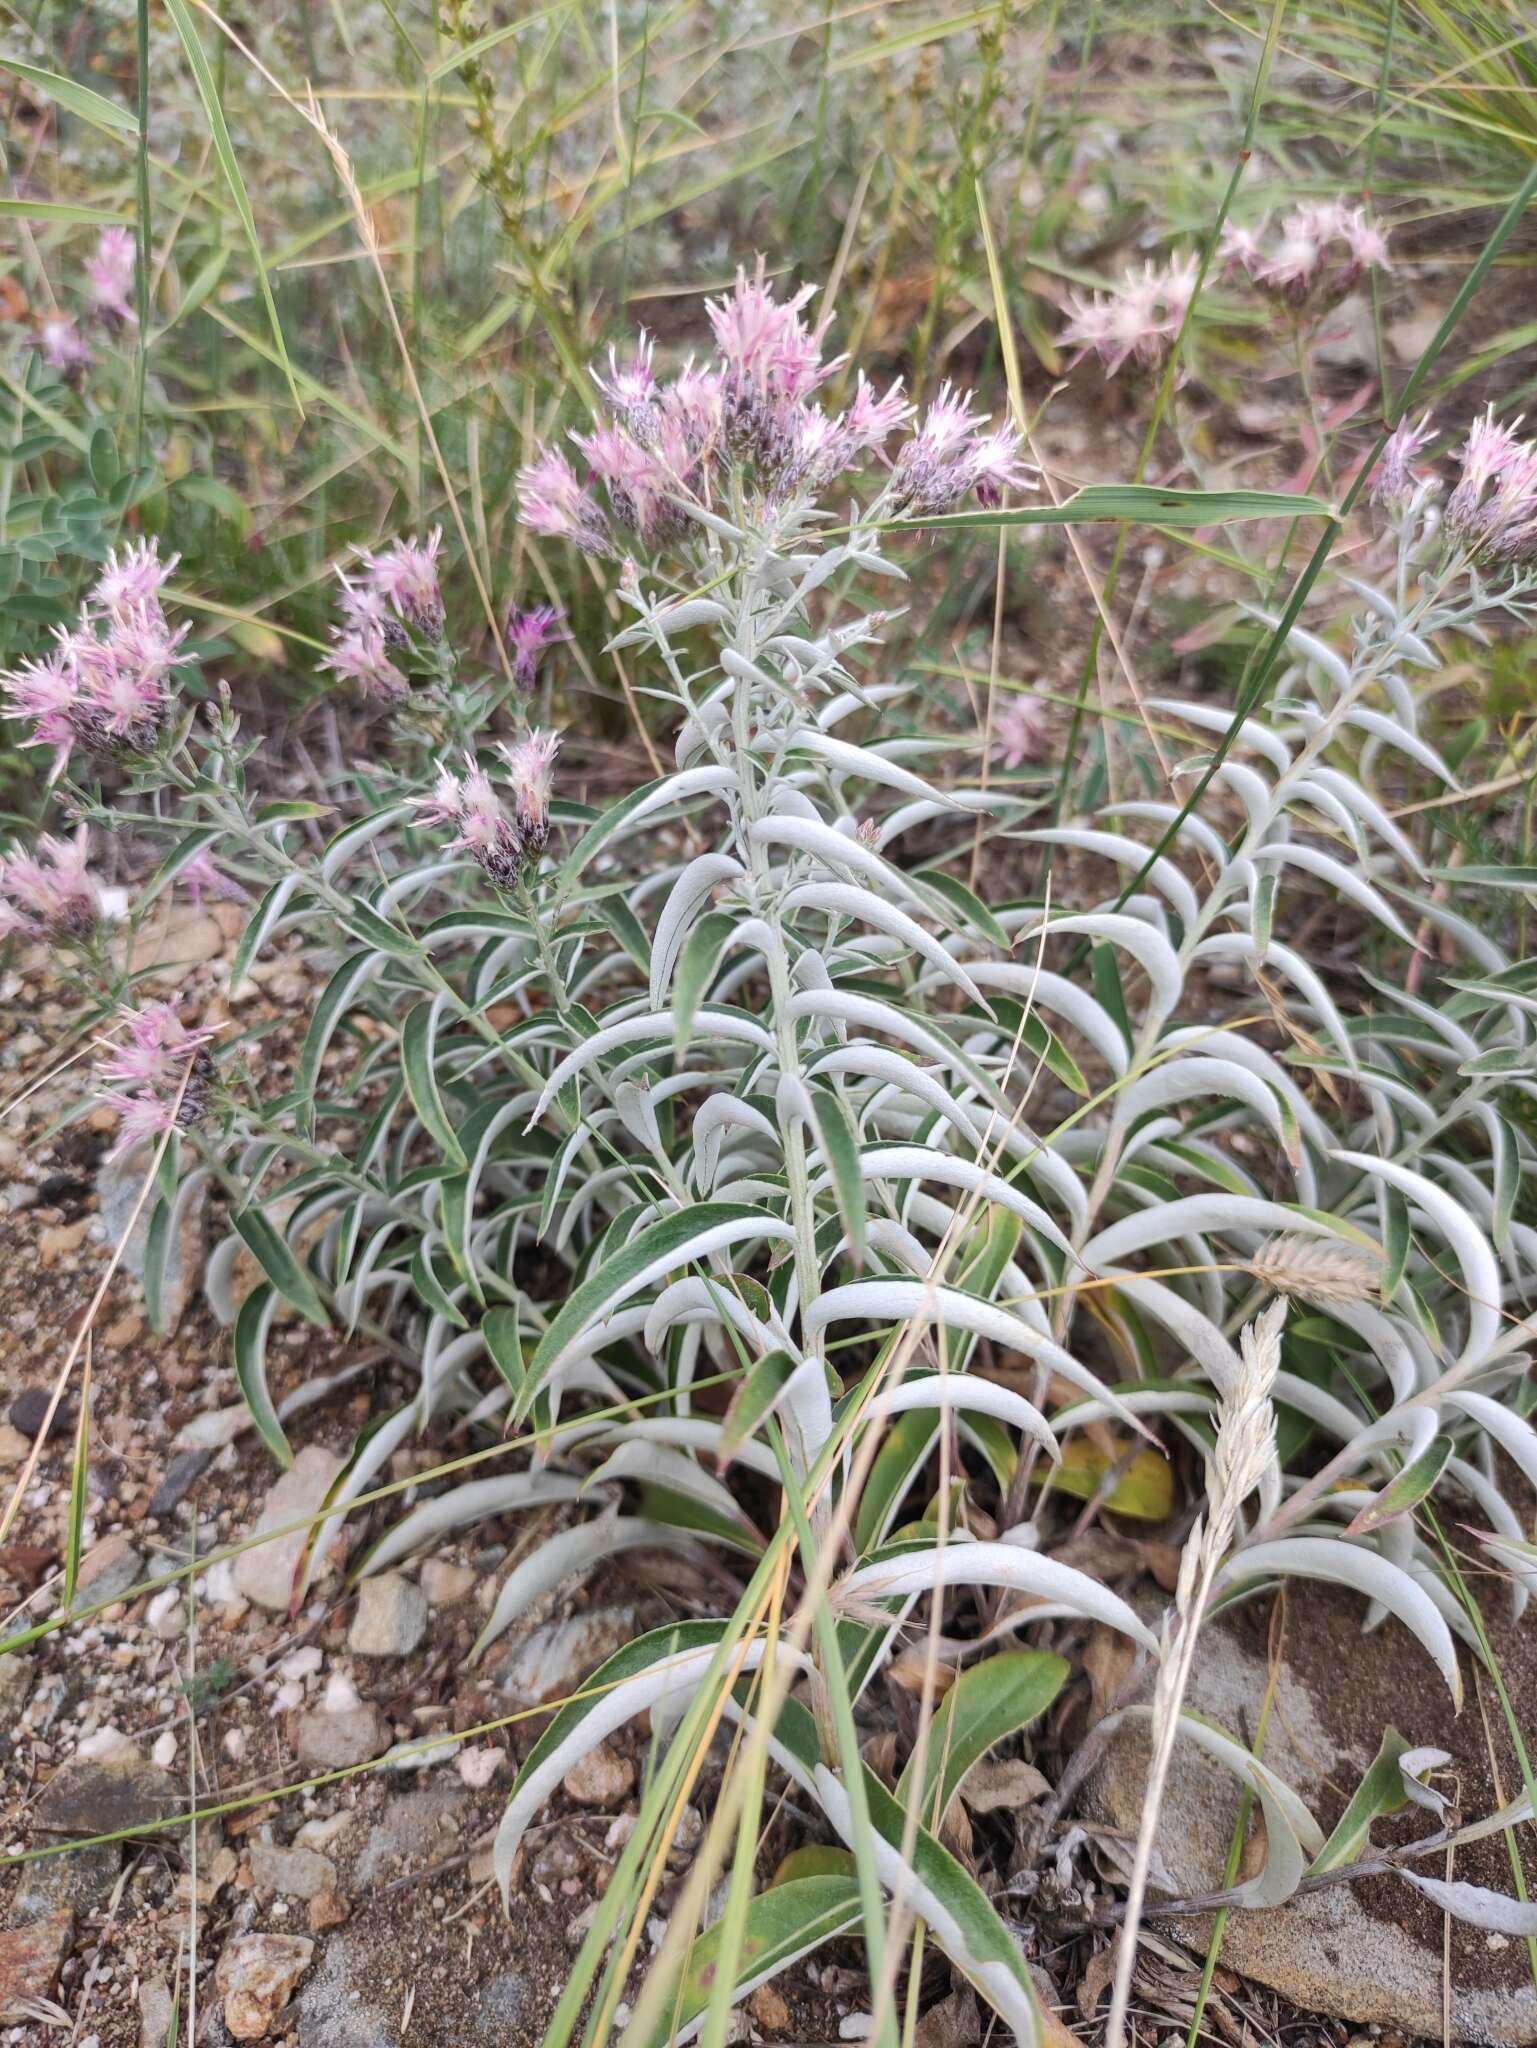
[79, 1474]
[839, 1149]
[76, 98]
[278, 1261]
[1475, 1905]
[1380, 1792]
[781, 1925]
[224, 149]
[418, 1049]
[1404, 1494]
[672, 1241]
[1139, 504]
[251, 1328]
[1365, 1571]
[986, 1704]
[260, 925]
[757, 1395]
[695, 971]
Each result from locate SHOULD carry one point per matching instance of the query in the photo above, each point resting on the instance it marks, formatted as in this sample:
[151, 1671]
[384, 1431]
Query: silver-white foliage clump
[734, 1079]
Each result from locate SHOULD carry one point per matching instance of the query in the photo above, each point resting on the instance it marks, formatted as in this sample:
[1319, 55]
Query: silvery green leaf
[871, 767]
[1216, 718]
[1187, 1078]
[1513, 1433]
[1364, 1571]
[1195, 1215]
[923, 1162]
[1282, 959]
[475, 1501]
[946, 1392]
[840, 899]
[1414, 1766]
[1345, 880]
[1292, 1836]
[939, 1892]
[899, 1301]
[1151, 951]
[1039, 988]
[568, 1553]
[1007, 1565]
[1164, 876]
[1480, 1268]
[689, 893]
[657, 1026]
[1476, 1906]
[837, 851]
[1195, 829]
[647, 1671]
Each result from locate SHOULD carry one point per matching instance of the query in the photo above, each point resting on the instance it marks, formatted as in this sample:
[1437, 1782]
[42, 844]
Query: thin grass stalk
[1244, 1450]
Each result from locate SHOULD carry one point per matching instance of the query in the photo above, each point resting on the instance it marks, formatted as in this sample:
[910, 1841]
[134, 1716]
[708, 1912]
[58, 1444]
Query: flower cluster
[1320, 253]
[384, 598]
[1492, 511]
[49, 894]
[503, 845]
[1137, 322]
[753, 411]
[162, 1070]
[106, 685]
[111, 275]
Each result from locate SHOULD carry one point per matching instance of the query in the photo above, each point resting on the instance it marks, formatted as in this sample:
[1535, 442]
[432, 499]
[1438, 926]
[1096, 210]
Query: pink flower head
[636, 482]
[361, 655]
[993, 466]
[142, 1119]
[1139, 321]
[554, 503]
[164, 1070]
[482, 828]
[691, 405]
[953, 453]
[202, 876]
[1490, 456]
[1295, 264]
[1020, 731]
[157, 1049]
[124, 677]
[1240, 249]
[528, 634]
[405, 577]
[111, 275]
[631, 390]
[870, 421]
[771, 362]
[132, 579]
[1365, 241]
[1397, 477]
[530, 767]
[64, 347]
[51, 892]
[765, 345]
[45, 692]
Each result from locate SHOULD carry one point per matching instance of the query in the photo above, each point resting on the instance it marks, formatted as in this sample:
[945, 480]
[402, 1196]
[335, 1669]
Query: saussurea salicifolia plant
[734, 1087]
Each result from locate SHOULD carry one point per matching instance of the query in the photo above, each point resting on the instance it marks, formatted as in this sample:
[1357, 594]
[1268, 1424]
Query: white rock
[265, 1573]
[477, 1767]
[391, 1617]
[341, 1696]
[301, 1664]
[164, 1751]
